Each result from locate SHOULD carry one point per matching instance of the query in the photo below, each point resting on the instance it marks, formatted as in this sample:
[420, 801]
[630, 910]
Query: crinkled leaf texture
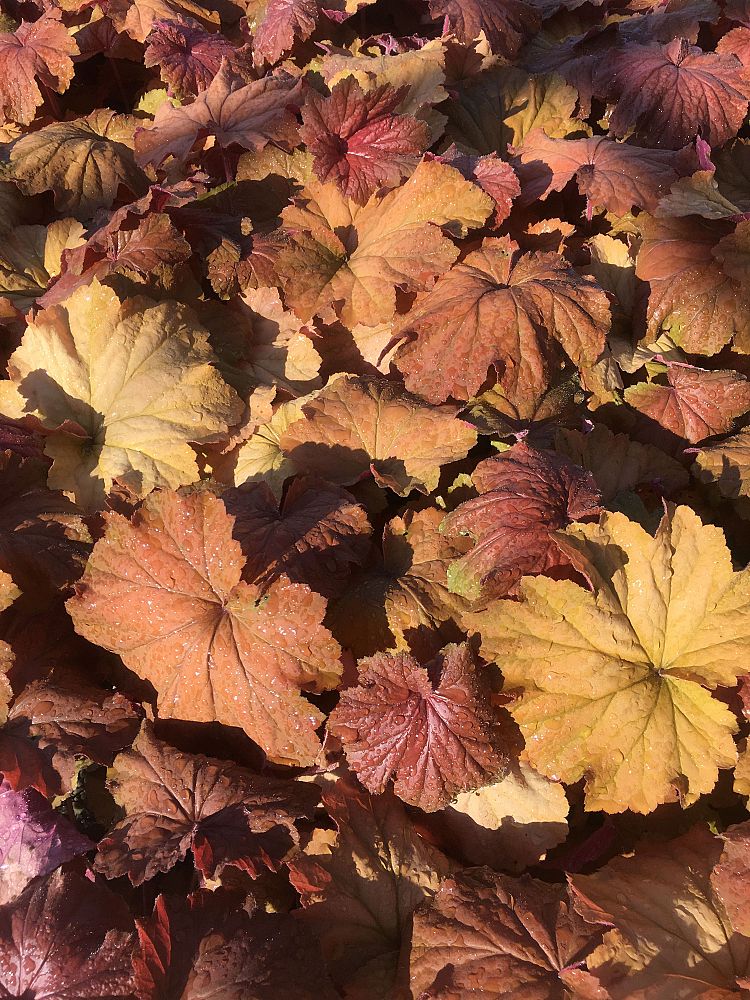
[612, 682]
[164, 590]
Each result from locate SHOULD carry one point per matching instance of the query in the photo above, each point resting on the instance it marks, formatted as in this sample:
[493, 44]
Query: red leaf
[505, 23]
[40, 51]
[358, 140]
[188, 56]
[430, 729]
[284, 22]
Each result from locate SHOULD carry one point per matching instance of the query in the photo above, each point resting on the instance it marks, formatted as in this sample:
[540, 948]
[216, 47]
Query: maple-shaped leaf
[188, 56]
[313, 536]
[357, 426]
[52, 727]
[695, 403]
[206, 945]
[340, 254]
[611, 175]
[727, 464]
[32, 256]
[619, 464]
[85, 162]
[693, 296]
[670, 94]
[34, 840]
[234, 113]
[360, 886]
[124, 387]
[164, 591]
[525, 496]
[509, 824]
[506, 24]
[500, 308]
[500, 937]
[671, 934]
[359, 141]
[493, 175]
[401, 598]
[37, 52]
[430, 729]
[44, 542]
[175, 802]
[66, 936]
[613, 681]
[281, 24]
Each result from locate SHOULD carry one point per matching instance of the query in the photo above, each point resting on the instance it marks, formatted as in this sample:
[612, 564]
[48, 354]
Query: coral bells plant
[374, 499]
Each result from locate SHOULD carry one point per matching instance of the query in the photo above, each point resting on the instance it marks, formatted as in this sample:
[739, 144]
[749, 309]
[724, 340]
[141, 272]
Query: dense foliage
[374, 499]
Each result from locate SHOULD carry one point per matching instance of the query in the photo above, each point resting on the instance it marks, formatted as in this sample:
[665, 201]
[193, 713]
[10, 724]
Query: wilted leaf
[164, 592]
[430, 729]
[525, 496]
[357, 426]
[642, 727]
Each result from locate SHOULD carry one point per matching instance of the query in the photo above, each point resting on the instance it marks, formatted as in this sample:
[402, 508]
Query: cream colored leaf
[135, 377]
[30, 258]
[613, 683]
[260, 459]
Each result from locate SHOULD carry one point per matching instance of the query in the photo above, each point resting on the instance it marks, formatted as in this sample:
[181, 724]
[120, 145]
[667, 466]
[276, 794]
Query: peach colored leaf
[85, 162]
[357, 426]
[360, 887]
[612, 683]
[358, 140]
[430, 729]
[727, 464]
[731, 876]
[671, 935]
[37, 51]
[500, 308]
[235, 113]
[695, 403]
[499, 936]
[174, 802]
[525, 495]
[315, 535]
[353, 258]
[401, 599]
[124, 387]
[136, 17]
[164, 591]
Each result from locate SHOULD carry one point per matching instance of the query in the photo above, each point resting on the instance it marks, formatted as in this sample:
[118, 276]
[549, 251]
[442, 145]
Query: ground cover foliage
[374, 499]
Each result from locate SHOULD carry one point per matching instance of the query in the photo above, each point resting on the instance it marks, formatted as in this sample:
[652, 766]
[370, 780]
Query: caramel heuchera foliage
[374, 499]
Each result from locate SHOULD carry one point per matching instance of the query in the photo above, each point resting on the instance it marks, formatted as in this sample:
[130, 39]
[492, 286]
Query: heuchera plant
[374, 499]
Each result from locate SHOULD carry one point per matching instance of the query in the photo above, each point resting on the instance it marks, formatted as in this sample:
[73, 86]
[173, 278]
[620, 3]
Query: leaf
[500, 935]
[506, 24]
[234, 113]
[85, 162]
[525, 496]
[66, 936]
[133, 379]
[52, 727]
[164, 591]
[358, 140]
[693, 298]
[175, 802]
[726, 463]
[357, 426]
[139, 15]
[495, 177]
[613, 682]
[188, 57]
[402, 599]
[696, 403]
[30, 258]
[612, 175]
[354, 258]
[283, 23]
[430, 729]
[359, 888]
[670, 94]
[37, 51]
[618, 464]
[34, 840]
[671, 932]
[500, 308]
[729, 878]
[314, 536]
[8, 593]
[260, 458]
[509, 824]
